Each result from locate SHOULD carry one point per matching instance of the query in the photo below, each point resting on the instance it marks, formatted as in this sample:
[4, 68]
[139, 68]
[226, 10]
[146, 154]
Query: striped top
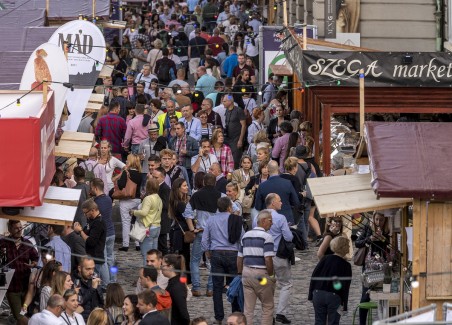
[255, 245]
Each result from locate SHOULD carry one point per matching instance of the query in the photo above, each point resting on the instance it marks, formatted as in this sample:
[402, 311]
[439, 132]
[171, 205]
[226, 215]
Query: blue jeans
[325, 307]
[150, 242]
[226, 263]
[134, 148]
[109, 253]
[196, 255]
[303, 225]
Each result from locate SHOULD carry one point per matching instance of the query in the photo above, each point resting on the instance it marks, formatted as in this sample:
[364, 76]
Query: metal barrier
[421, 316]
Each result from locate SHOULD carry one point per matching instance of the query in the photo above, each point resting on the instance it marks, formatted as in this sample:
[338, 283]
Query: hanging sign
[86, 55]
[381, 69]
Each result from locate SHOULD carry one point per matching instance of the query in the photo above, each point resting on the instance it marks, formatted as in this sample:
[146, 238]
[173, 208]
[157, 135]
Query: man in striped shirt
[255, 261]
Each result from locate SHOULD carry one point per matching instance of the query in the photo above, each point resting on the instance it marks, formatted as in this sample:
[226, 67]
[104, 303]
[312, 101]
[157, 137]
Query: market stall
[349, 194]
[411, 159]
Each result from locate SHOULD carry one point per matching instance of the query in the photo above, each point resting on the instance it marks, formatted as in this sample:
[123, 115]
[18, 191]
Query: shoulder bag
[128, 192]
[359, 257]
[189, 236]
[138, 231]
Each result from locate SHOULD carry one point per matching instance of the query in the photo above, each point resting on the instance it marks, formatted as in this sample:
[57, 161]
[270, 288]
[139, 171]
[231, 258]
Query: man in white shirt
[192, 124]
[203, 160]
[146, 76]
[221, 110]
[51, 314]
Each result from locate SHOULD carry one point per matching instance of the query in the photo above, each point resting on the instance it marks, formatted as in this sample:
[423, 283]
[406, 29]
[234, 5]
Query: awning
[349, 194]
[410, 159]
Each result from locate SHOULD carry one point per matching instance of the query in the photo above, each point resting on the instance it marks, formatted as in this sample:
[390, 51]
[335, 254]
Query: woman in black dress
[177, 202]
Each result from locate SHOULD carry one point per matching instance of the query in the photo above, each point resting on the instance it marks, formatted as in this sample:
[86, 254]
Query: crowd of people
[207, 167]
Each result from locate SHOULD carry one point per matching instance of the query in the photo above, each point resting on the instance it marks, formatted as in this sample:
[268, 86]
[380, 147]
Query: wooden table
[96, 98]
[77, 136]
[93, 107]
[106, 71]
[73, 149]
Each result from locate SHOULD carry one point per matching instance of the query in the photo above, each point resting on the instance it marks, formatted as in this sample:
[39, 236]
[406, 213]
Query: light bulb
[179, 91]
[262, 280]
[18, 102]
[260, 93]
[49, 257]
[415, 284]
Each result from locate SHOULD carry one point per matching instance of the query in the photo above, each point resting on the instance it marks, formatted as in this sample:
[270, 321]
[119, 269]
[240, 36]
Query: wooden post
[44, 91]
[47, 7]
[94, 9]
[271, 12]
[361, 102]
[285, 19]
[403, 258]
[305, 37]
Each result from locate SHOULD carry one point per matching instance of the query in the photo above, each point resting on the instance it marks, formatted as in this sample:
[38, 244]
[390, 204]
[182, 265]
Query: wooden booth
[350, 194]
[411, 160]
[394, 82]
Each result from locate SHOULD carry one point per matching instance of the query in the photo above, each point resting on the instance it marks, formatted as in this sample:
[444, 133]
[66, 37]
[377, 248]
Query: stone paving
[300, 310]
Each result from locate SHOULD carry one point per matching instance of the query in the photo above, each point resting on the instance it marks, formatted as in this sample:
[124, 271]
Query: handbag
[359, 257]
[128, 192]
[138, 231]
[189, 236]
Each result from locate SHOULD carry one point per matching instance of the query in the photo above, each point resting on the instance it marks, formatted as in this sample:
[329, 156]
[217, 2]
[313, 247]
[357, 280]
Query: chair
[366, 305]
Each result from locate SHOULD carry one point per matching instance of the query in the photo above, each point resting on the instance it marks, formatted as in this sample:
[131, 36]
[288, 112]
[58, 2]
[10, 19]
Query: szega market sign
[381, 69]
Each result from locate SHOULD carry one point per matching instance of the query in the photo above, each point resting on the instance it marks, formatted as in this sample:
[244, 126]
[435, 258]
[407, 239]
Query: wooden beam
[47, 213]
[73, 149]
[77, 136]
[93, 107]
[96, 98]
[62, 196]
[361, 102]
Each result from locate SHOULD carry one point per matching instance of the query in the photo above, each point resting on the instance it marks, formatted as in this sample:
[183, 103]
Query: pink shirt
[135, 131]
[280, 149]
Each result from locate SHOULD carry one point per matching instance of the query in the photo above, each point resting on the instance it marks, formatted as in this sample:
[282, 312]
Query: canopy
[410, 159]
[349, 194]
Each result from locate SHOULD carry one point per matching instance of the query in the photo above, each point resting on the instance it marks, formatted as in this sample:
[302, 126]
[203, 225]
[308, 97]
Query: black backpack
[164, 74]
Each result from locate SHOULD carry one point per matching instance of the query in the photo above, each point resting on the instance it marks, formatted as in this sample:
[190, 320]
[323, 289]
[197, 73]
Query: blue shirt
[229, 64]
[215, 237]
[192, 128]
[191, 5]
[62, 252]
[279, 228]
[206, 84]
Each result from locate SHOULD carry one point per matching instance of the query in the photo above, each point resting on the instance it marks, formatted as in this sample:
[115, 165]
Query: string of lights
[17, 100]
[130, 266]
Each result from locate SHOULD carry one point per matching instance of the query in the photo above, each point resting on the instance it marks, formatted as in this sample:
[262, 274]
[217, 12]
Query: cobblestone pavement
[300, 310]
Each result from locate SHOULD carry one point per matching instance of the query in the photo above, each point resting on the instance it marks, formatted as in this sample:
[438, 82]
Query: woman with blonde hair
[110, 162]
[98, 317]
[132, 172]
[260, 140]
[155, 54]
[333, 229]
[329, 299]
[232, 192]
[62, 281]
[150, 215]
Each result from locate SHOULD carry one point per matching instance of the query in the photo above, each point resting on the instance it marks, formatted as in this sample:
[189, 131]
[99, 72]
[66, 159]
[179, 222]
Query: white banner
[47, 62]
[85, 59]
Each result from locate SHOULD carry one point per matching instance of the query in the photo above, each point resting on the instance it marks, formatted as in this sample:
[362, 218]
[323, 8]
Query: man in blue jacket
[280, 186]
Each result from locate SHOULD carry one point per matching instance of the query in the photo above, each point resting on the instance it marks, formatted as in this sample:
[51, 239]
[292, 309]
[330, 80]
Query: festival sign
[47, 62]
[381, 69]
[85, 58]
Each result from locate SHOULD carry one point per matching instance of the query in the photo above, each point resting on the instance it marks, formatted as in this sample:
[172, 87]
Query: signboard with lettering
[330, 18]
[86, 57]
[382, 69]
[270, 48]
